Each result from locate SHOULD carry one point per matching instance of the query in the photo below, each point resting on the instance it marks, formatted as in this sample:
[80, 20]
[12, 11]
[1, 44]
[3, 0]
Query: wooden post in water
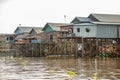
[39, 49]
[76, 45]
[82, 47]
[96, 52]
[32, 49]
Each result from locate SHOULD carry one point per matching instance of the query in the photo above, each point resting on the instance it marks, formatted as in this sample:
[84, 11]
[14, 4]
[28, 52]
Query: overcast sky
[38, 12]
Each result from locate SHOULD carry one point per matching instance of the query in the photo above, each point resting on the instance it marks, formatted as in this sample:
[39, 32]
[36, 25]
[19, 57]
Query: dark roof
[105, 17]
[77, 20]
[24, 29]
[37, 30]
[83, 19]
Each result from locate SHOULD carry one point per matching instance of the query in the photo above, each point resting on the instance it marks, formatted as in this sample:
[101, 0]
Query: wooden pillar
[90, 43]
[76, 45]
[39, 49]
[96, 53]
[82, 47]
[32, 49]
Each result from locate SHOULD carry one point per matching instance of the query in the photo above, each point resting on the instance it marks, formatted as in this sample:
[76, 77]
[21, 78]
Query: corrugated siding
[106, 31]
[119, 31]
[83, 33]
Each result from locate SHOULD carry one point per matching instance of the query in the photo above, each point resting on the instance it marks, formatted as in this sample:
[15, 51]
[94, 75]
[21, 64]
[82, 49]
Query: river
[36, 68]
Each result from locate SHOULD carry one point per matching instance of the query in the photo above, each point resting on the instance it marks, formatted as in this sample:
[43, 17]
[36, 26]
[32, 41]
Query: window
[78, 29]
[70, 30]
[11, 38]
[51, 37]
[87, 30]
[7, 38]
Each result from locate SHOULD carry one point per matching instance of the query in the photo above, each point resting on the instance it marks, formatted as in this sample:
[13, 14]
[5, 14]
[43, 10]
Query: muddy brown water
[18, 68]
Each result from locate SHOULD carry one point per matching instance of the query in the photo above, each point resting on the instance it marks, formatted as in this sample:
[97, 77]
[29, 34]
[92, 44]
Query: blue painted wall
[83, 32]
[47, 28]
[33, 32]
[96, 30]
[106, 31]
[119, 31]
[36, 41]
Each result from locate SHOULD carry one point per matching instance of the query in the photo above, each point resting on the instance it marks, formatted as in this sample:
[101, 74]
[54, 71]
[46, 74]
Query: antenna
[65, 18]
[19, 24]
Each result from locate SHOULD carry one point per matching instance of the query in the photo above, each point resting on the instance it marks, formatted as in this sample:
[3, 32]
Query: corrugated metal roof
[24, 29]
[22, 36]
[108, 23]
[56, 26]
[83, 19]
[106, 17]
[78, 20]
[84, 24]
[37, 30]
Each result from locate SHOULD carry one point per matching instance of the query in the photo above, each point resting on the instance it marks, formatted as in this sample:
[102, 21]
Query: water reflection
[59, 69]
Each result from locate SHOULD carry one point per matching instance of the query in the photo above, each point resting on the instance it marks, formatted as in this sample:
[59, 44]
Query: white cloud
[38, 12]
